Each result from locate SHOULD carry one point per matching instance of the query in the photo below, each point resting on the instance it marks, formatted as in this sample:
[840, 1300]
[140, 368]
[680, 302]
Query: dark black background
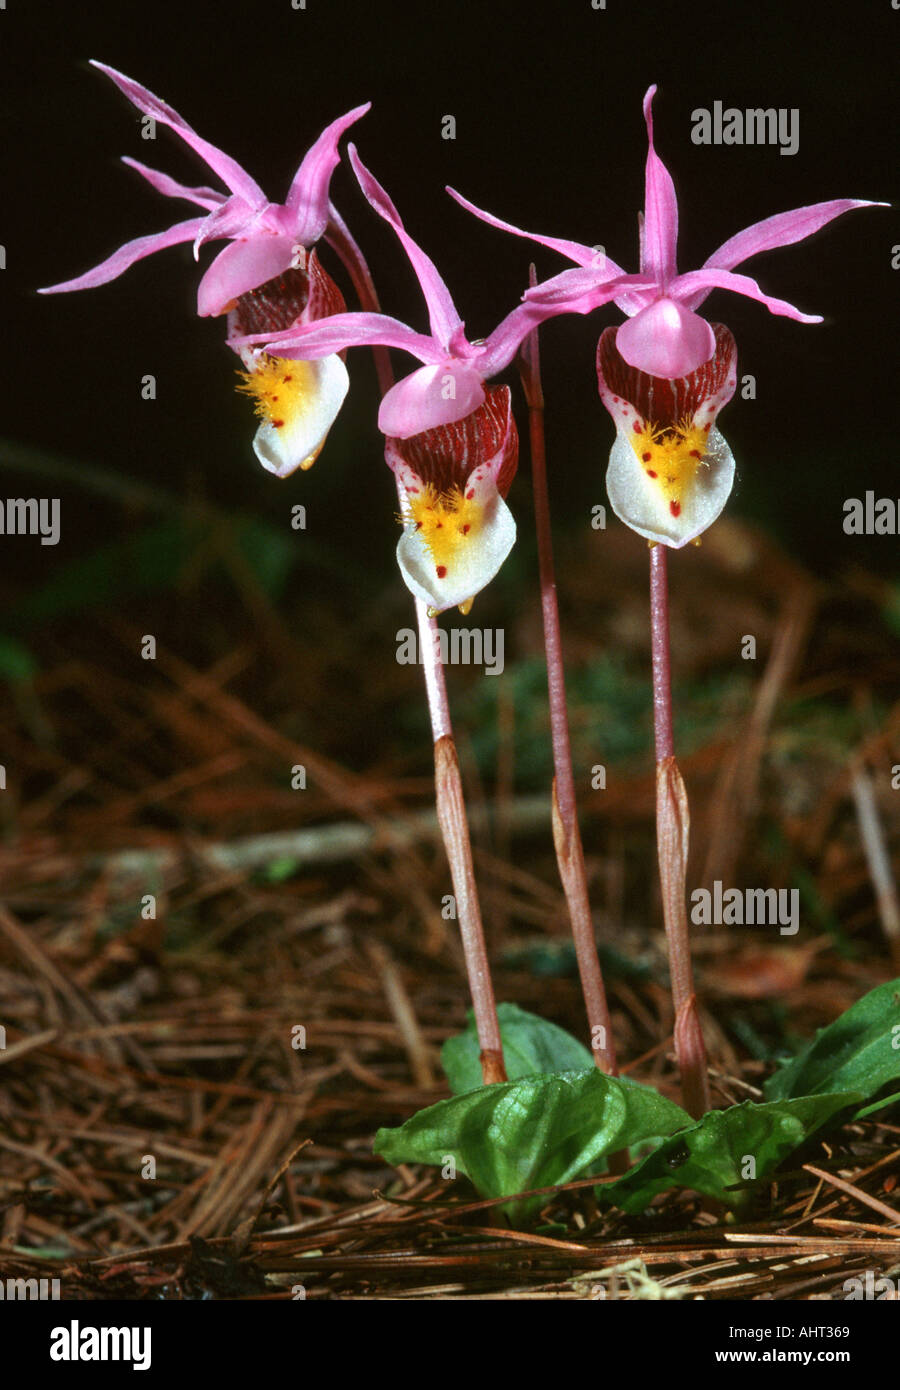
[547, 99]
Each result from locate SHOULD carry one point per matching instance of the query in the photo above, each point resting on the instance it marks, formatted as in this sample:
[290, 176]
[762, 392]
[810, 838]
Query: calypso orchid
[450, 440]
[665, 336]
[450, 384]
[666, 373]
[267, 278]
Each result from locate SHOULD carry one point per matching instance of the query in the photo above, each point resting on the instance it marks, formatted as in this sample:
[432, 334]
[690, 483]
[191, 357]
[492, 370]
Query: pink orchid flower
[665, 336]
[450, 384]
[451, 442]
[268, 276]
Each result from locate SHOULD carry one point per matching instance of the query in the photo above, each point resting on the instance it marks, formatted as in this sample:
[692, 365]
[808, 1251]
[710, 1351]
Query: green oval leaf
[531, 1046]
[726, 1150]
[532, 1133]
[860, 1051]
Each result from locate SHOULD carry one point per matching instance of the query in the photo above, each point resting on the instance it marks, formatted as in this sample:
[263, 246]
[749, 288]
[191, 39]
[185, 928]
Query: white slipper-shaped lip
[636, 499]
[452, 482]
[450, 579]
[298, 402]
[670, 470]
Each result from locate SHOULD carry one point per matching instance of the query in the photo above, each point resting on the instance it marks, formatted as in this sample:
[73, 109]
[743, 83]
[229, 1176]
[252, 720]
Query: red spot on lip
[651, 474]
[646, 457]
[277, 424]
[470, 494]
[442, 571]
[695, 454]
[466, 529]
[637, 427]
[675, 508]
[706, 427]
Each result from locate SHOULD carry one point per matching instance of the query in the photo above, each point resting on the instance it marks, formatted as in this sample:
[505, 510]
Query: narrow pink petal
[333, 334]
[233, 219]
[132, 251]
[242, 266]
[441, 310]
[586, 256]
[686, 287]
[660, 228]
[586, 294]
[432, 396]
[502, 345]
[781, 230]
[228, 170]
[171, 188]
[308, 195]
[569, 287]
[580, 291]
[666, 340]
[632, 301]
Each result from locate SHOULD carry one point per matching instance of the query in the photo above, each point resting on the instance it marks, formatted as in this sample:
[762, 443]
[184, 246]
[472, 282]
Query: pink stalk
[450, 802]
[672, 837]
[566, 834]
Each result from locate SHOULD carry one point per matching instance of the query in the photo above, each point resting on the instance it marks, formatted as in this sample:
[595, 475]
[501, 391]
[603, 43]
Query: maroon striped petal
[445, 458]
[634, 397]
[297, 295]
[452, 482]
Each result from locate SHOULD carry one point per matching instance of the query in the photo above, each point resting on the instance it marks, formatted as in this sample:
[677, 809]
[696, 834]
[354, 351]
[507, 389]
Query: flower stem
[566, 834]
[451, 808]
[673, 838]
